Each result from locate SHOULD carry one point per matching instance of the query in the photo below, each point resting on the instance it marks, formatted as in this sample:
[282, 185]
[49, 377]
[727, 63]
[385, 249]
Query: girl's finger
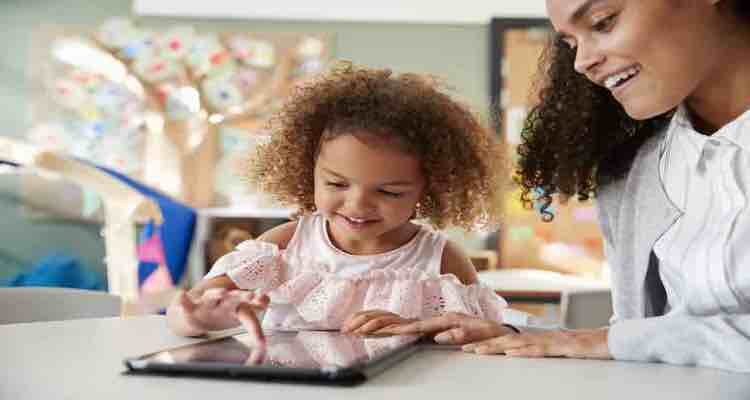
[230, 302]
[257, 354]
[212, 297]
[377, 323]
[245, 313]
[258, 300]
[357, 320]
[431, 325]
[186, 302]
[452, 336]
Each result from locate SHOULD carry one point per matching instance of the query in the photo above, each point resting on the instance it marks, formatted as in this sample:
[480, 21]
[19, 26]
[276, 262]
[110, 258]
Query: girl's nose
[358, 199]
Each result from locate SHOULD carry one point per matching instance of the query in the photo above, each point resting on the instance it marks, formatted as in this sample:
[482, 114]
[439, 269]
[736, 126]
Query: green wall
[457, 53]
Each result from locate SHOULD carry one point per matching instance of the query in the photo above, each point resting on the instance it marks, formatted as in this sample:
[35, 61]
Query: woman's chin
[640, 111]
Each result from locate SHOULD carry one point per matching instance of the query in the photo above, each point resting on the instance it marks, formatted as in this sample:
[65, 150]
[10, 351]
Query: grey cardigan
[634, 212]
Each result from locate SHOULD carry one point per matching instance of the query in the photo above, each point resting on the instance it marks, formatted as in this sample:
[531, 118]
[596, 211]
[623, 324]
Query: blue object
[176, 231]
[60, 270]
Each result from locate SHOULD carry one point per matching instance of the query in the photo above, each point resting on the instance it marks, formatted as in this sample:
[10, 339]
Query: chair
[35, 304]
[585, 308]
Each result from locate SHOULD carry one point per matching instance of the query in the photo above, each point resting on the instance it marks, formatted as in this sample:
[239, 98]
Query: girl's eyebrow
[328, 171]
[390, 183]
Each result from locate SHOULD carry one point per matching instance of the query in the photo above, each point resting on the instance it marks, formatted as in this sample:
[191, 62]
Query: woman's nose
[587, 57]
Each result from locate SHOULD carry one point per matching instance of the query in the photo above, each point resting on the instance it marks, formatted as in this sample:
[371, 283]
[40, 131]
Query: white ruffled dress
[314, 285]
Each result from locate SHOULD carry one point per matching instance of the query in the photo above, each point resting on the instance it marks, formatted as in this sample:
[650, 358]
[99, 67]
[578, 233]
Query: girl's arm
[279, 235]
[456, 262]
[220, 295]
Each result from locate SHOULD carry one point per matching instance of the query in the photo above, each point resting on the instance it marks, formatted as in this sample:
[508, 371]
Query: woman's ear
[415, 214]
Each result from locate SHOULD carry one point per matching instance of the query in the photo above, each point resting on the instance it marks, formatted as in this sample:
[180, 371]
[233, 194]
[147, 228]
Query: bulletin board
[572, 242]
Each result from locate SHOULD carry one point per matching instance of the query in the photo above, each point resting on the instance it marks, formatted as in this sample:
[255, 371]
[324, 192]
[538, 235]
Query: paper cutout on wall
[127, 97]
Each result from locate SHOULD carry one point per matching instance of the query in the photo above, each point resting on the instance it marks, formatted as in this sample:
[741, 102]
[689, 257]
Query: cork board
[572, 242]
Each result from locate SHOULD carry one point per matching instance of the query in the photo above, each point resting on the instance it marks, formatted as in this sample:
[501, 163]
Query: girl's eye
[604, 24]
[338, 185]
[391, 194]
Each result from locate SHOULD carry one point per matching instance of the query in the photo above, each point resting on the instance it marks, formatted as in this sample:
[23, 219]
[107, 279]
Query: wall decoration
[153, 104]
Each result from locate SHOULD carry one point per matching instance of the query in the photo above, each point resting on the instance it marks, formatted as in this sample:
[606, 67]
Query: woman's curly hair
[460, 160]
[578, 137]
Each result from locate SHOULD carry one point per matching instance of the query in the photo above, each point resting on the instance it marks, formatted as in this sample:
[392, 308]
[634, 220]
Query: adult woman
[645, 104]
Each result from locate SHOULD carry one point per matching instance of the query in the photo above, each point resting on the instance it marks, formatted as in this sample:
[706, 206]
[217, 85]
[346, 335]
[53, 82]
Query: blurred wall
[457, 53]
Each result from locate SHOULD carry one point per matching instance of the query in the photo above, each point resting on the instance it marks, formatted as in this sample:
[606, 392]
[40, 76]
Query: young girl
[361, 153]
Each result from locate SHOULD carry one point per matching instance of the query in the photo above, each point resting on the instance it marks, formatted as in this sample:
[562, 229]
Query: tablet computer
[327, 357]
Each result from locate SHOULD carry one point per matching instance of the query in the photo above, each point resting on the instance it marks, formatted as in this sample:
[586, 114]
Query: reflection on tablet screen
[304, 349]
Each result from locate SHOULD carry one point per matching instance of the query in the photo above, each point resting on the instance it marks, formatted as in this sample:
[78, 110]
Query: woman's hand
[216, 309]
[372, 321]
[583, 343]
[483, 336]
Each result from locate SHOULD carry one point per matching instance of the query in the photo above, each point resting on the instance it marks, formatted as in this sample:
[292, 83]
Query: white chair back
[585, 308]
[35, 304]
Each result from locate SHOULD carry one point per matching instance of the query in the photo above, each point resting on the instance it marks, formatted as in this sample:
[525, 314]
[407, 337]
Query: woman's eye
[337, 185]
[604, 24]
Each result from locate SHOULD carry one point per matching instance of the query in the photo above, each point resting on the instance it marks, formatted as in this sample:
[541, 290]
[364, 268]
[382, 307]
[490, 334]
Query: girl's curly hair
[459, 158]
[578, 137]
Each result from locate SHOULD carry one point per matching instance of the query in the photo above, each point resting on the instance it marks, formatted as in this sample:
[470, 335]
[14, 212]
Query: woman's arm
[718, 341]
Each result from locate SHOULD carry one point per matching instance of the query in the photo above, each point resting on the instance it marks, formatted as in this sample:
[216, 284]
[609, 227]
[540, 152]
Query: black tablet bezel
[351, 375]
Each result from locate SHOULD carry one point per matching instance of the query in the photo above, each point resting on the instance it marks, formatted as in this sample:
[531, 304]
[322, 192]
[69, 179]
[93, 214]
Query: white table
[541, 293]
[524, 280]
[83, 360]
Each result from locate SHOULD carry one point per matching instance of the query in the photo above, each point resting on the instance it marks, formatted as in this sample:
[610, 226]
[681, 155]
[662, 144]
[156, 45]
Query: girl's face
[368, 190]
[650, 54]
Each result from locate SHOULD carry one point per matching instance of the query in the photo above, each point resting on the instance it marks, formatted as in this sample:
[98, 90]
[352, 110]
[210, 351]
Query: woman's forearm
[717, 341]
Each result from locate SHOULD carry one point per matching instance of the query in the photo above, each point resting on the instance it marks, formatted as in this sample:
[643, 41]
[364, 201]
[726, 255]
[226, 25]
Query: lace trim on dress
[325, 299]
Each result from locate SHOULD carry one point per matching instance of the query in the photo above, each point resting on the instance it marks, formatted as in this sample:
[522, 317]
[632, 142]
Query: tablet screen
[321, 350]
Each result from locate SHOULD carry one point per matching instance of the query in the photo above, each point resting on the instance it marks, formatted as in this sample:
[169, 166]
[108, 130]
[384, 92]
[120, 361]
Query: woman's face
[650, 54]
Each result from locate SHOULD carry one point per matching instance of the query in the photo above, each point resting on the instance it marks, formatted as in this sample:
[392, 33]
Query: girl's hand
[583, 343]
[220, 308]
[372, 321]
[452, 328]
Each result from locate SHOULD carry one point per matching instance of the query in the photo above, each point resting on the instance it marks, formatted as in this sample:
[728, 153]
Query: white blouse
[704, 258]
